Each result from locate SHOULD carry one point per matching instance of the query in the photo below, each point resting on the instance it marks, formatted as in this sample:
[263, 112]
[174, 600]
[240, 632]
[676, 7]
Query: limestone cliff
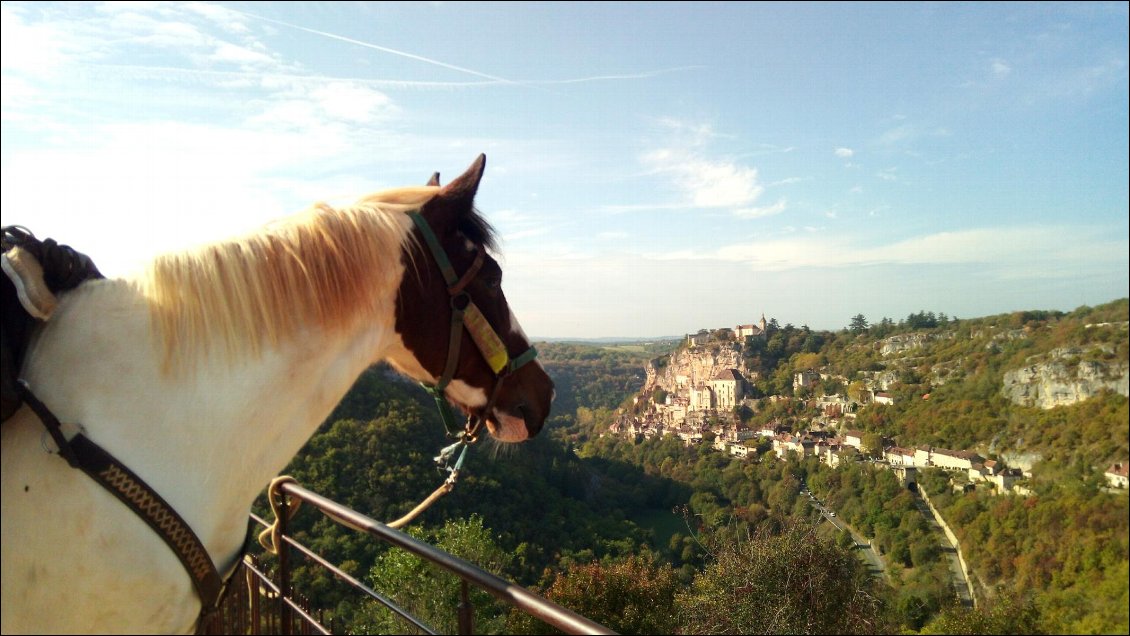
[903, 343]
[1065, 376]
[692, 366]
[908, 342]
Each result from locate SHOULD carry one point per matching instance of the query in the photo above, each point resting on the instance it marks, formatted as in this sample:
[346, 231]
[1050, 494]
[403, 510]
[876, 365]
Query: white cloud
[844, 153]
[35, 49]
[717, 184]
[906, 134]
[612, 236]
[640, 207]
[1001, 261]
[897, 135]
[518, 235]
[201, 34]
[787, 181]
[226, 52]
[225, 18]
[136, 190]
[999, 247]
[888, 174]
[704, 181]
[353, 103]
[758, 212]
[1001, 68]
[189, 49]
[136, 27]
[691, 134]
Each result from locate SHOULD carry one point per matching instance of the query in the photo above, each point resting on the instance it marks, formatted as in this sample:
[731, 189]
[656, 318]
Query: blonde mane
[324, 268]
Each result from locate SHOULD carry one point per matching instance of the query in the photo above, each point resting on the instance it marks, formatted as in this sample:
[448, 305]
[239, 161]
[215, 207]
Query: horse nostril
[529, 418]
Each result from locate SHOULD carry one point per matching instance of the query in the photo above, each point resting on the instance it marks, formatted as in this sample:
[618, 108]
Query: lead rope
[271, 538]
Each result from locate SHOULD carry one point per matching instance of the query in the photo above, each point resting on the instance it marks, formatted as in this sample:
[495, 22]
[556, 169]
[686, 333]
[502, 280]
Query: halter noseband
[464, 314]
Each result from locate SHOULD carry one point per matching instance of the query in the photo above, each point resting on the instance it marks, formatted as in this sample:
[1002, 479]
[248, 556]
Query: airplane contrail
[384, 49]
[493, 78]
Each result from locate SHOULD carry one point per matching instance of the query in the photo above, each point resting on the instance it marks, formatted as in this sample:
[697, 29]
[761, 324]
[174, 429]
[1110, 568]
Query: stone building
[729, 389]
[760, 330]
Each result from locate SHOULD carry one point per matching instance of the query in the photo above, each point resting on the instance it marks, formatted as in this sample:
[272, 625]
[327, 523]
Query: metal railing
[257, 604]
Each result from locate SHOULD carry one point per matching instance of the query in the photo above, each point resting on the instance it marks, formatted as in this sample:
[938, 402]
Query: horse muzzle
[522, 407]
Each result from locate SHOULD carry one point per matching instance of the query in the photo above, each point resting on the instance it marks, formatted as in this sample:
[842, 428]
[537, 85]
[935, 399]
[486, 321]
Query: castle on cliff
[739, 333]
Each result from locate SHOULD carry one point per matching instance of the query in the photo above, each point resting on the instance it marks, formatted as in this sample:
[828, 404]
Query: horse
[208, 371]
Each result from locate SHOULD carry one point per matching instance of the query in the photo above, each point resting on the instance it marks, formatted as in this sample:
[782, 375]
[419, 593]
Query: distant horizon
[782, 323]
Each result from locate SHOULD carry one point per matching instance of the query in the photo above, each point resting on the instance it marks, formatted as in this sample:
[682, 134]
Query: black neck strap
[82, 453]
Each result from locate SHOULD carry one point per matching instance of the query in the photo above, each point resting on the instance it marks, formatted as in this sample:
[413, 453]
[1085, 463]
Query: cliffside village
[697, 407]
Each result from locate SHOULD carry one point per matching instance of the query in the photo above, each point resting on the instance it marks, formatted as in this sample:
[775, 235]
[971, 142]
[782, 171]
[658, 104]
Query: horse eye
[491, 284]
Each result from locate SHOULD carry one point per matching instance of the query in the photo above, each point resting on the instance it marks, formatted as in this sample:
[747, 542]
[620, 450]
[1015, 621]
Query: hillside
[1039, 397]
[1031, 386]
[586, 518]
[592, 380]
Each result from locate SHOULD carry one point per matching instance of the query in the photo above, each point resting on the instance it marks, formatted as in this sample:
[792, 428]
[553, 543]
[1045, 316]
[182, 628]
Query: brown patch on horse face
[423, 313]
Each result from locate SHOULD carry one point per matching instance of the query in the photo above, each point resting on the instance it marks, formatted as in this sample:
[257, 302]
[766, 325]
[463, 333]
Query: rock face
[909, 342]
[880, 380]
[690, 367]
[1023, 461]
[1064, 378]
[903, 343]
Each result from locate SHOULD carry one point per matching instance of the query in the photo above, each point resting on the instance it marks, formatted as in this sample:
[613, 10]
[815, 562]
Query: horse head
[454, 321]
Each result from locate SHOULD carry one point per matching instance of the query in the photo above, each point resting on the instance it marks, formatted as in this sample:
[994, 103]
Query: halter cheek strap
[465, 315]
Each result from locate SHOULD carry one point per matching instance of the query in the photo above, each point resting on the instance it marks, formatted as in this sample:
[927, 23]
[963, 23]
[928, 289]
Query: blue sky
[652, 168]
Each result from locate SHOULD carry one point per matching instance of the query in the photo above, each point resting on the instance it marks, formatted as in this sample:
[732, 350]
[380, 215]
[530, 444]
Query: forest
[651, 536]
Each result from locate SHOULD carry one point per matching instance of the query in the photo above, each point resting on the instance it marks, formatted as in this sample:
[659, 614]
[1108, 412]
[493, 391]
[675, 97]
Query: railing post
[466, 611]
[253, 587]
[284, 565]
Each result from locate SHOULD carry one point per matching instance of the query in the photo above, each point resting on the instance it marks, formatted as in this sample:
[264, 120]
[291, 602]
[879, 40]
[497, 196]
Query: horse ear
[464, 186]
[434, 181]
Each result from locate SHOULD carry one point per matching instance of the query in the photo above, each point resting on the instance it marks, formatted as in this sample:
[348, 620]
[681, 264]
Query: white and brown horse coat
[205, 375]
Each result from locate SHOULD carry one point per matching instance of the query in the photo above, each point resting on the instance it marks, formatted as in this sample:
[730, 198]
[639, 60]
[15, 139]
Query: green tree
[1004, 615]
[858, 324]
[791, 582]
[805, 361]
[872, 444]
[630, 596]
[432, 594]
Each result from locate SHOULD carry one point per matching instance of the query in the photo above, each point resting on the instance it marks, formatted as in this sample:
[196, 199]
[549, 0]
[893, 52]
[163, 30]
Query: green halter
[464, 314]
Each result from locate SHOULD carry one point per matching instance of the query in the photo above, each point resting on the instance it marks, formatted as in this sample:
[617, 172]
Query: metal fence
[257, 603]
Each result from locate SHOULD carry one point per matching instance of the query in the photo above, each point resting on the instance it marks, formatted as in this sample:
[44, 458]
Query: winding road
[878, 566]
[874, 562]
[961, 584]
